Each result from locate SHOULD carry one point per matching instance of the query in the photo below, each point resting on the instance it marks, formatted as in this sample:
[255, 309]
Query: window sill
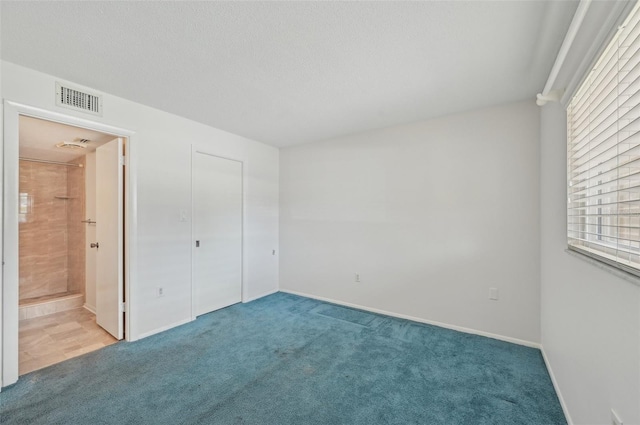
[603, 266]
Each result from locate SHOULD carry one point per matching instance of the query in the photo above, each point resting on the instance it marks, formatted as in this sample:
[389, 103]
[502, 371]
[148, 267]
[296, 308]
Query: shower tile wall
[43, 232]
[77, 229]
[46, 230]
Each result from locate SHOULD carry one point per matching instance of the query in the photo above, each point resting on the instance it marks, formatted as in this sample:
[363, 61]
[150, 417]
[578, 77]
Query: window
[603, 154]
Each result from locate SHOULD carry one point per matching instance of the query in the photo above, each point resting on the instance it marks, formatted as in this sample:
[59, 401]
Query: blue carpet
[286, 359]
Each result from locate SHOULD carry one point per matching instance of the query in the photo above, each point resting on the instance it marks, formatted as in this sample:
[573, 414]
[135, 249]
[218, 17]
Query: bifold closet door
[217, 232]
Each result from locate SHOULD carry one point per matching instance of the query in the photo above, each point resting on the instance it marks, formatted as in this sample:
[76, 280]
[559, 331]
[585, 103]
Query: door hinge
[123, 160]
[123, 307]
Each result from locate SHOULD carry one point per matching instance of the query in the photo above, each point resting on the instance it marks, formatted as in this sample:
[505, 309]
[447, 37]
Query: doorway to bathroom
[70, 241]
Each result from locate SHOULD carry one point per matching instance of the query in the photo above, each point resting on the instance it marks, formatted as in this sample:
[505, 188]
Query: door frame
[9, 167]
[243, 268]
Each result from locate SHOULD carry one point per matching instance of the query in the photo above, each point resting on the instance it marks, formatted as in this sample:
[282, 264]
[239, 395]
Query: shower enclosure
[51, 236]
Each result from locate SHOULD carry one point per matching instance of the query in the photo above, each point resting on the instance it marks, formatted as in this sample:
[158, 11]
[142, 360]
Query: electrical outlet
[183, 216]
[493, 294]
[615, 419]
[160, 292]
[357, 277]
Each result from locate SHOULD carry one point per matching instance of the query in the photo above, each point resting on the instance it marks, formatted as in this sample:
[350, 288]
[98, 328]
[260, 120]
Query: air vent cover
[78, 100]
[71, 145]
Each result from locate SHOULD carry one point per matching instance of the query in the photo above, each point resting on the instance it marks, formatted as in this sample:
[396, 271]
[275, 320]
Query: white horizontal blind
[603, 154]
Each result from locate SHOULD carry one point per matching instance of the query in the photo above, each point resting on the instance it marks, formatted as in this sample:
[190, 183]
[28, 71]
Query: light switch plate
[493, 294]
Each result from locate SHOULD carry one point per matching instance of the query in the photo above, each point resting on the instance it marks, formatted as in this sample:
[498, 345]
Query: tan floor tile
[64, 345]
[50, 326]
[84, 350]
[51, 339]
[40, 362]
[90, 326]
[88, 315]
[25, 357]
[90, 338]
[43, 350]
[25, 333]
[34, 341]
[39, 323]
[75, 347]
[63, 327]
[69, 334]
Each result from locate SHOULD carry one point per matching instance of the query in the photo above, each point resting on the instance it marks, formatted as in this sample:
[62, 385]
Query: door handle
[197, 244]
[95, 245]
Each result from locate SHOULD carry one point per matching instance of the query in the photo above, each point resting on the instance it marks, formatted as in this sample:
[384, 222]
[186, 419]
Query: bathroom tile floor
[50, 339]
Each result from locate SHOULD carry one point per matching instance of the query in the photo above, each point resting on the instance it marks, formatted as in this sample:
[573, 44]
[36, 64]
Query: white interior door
[217, 232]
[109, 236]
[90, 214]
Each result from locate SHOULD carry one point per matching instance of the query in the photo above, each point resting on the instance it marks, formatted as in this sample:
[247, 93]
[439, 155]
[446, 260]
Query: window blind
[603, 154]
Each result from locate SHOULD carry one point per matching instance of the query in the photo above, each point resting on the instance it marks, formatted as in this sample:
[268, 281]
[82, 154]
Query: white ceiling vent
[78, 100]
[78, 143]
[71, 145]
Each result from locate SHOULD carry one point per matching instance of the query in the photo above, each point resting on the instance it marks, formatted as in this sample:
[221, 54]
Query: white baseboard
[565, 409]
[420, 320]
[162, 329]
[248, 300]
[90, 308]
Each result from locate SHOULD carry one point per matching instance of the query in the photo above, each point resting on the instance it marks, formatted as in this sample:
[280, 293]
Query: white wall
[90, 214]
[163, 155]
[431, 215]
[590, 317]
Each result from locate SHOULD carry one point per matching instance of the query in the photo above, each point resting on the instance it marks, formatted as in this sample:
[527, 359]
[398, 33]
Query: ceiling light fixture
[71, 145]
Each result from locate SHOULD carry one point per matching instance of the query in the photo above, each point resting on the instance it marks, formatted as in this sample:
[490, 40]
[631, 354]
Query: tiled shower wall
[76, 228]
[51, 244]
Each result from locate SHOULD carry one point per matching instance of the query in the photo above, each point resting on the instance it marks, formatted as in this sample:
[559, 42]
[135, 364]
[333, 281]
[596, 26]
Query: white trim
[565, 409]
[89, 308]
[164, 328]
[48, 115]
[266, 294]
[10, 274]
[12, 112]
[2, 295]
[419, 320]
[191, 242]
[130, 233]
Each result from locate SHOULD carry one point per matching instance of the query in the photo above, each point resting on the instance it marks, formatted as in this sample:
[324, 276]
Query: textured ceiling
[286, 73]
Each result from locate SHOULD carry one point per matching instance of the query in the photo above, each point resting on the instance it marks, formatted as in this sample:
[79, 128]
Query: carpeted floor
[284, 360]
